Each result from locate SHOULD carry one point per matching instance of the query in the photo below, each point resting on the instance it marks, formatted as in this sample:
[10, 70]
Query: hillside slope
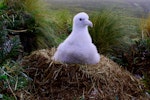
[136, 6]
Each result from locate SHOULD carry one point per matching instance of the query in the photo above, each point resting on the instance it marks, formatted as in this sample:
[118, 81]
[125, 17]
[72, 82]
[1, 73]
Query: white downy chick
[78, 47]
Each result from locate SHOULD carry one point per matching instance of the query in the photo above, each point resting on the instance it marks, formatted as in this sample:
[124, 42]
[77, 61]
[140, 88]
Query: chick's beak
[89, 23]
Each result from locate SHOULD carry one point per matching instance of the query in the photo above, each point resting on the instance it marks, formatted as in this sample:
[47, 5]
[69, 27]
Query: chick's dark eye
[80, 19]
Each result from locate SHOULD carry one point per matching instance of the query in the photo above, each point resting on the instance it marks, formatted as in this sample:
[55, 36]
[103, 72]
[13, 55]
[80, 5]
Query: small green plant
[146, 81]
[12, 79]
[138, 55]
[106, 32]
[8, 97]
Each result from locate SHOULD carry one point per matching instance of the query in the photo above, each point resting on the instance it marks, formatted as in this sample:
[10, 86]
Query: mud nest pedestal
[103, 81]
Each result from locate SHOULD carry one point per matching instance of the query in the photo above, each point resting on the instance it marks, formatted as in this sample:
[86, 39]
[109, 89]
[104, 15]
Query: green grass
[106, 32]
[8, 97]
[145, 25]
[47, 28]
[63, 20]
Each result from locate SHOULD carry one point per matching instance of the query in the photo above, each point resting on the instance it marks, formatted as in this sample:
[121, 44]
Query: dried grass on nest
[104, 81]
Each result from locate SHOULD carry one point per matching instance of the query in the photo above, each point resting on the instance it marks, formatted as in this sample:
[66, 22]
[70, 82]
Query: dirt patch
[104, 81]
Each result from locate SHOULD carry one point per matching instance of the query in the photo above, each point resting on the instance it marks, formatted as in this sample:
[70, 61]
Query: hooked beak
[89, 23]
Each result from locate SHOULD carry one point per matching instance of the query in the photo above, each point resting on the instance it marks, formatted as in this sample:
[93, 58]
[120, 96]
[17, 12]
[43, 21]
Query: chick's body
[78, 47]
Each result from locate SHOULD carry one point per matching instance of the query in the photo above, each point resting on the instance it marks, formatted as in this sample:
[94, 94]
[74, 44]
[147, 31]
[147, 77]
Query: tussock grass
[34, 17]
[44, 23]
[53, 25]
[106, 32]
[63, 18]
[145, 24]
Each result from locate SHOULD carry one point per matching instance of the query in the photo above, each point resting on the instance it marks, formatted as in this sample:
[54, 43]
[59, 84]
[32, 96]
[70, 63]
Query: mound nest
[103, 81]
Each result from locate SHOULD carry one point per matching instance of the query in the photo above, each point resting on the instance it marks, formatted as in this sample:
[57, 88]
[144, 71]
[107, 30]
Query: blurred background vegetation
[28, 25]
[107, 32]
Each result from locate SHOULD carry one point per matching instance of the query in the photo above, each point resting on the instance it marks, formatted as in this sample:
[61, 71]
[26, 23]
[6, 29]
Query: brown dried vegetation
[53, 80]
